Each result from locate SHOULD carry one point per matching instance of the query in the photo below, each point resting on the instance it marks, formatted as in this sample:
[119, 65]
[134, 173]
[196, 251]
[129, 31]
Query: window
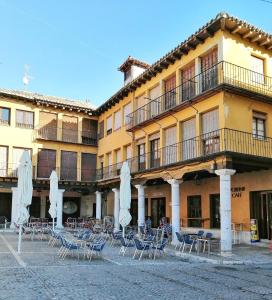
[215, 211]
[257, 65]
[188, 139]
[48, 126]
[70, 129]
[128, 152]
[68, 169]
[117, 120]
[4, 116]
[170, 149]
[210, 132]
[118, 160]
[141, 157]
[46, 162]
[258, 124]
[154, 106]
[109, 159]
[109, 125]
[194, 211]
[16, 157]
[170, 92]
[101, 130]
[188, 85]
[88, 166]
[140, 113]
[24, 119]
[89, 132]
[3, 161]
[154, 150]
[209, 70]
[127, 111]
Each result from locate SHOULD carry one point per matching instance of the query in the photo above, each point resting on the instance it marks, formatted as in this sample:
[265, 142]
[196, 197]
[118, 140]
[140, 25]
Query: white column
[98, 205]
[225, 209]
[175, 208]
[43, 207]
[116, 208]
[14, 207]
[60, 209]
[141, 204]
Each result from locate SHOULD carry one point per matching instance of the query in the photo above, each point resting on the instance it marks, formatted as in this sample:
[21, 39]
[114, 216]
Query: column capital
[115, 190]
[98, 193]
[223, 172]
[139, 186]
[174, 181]
[61, 190]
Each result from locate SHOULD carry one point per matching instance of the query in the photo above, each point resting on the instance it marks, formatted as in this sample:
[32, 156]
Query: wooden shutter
[170, 136]
[109, 125]
[89, 131]
[3, 160]
[170, 93]
[117, 120]
[170, 149]
[101, 129]
[70, 129]
[88, 166]
[210, 121]
[128, 152]
[155, 93]
[68, 165]
[46, 162]
[48, 125]
[127, 111]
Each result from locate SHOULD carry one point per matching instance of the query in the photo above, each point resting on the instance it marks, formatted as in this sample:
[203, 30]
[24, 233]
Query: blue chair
[200, 233]
[96, 248]
[115, 237]
[125, 245]
[159, 248]
[180, 240]
[141, 248]
[187, 242]
[206, 240]
[69, 246]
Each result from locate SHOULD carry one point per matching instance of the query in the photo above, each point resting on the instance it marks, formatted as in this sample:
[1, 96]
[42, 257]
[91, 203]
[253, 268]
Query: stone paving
[39, 274]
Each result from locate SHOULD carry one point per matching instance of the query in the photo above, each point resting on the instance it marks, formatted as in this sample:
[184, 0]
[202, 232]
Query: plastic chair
[141, 247]
[187, 242]
[180, 240]
[125, 245]
[159, 247]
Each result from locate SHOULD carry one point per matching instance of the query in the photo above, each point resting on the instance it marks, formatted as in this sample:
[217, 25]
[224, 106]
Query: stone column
[60, 209]
[98, 205]
[225, 209]
[175, 208]
[43, 207]
[116, 208]
[141, 204]
[14, 207]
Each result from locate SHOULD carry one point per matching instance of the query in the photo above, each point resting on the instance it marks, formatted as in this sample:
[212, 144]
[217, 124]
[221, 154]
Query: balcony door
[155, 101]
[155, 152]
[188, 88]
[48, 126]
[170, 150]
[88, 166]
[210, 132]
[3, 161]
[141, 109]
[209, 70]
[68, 169]
[188, 139]
[46, 162]
[170, 92]
[70, 129]
[89, 132]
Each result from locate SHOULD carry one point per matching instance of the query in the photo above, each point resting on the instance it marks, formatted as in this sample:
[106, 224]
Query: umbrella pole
[20, 238]
[123, 231]
[53, 223]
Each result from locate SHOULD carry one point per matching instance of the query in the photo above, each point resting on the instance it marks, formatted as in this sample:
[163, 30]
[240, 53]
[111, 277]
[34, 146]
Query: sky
[73, 48]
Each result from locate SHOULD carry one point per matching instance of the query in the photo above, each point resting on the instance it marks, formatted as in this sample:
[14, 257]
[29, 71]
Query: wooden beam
[164, 64]
[269, 47]
[236, 29]
[199, 40]
[170, 60]
[177, 55]
[191, 46]
[246, 35]
[256, 38]
[267, 41]
[158, 68]
[208, 32]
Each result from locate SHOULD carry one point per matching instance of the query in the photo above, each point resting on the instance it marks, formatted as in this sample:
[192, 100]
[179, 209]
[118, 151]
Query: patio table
[209, 241]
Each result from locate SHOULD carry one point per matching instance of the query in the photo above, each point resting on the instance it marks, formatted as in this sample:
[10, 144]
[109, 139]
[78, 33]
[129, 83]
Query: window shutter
[188, 129]
[210, 121]
[88, 166]
[3, 160]
[101, 129]
[170, 136]
[128, 152]
[127, 111]
[68, 165]
[117, 120]
[46, 162]
[70, 129]
[109, 124]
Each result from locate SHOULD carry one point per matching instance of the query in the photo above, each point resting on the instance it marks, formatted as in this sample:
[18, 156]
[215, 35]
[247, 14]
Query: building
[195, 127]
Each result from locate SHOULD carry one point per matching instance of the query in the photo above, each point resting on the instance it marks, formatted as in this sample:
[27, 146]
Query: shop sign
[236, 192]
[254, 232]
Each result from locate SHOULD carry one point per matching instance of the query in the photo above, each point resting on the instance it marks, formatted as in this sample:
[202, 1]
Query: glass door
[158, 210]
[215, 211]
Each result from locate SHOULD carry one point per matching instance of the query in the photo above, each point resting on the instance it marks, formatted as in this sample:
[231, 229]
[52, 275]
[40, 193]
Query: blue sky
[74, 47]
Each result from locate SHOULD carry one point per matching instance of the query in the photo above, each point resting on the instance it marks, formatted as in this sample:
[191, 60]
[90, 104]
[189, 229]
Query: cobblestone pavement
[39, 274]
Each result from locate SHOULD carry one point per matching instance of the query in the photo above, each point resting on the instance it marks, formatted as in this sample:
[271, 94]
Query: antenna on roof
[26, 77]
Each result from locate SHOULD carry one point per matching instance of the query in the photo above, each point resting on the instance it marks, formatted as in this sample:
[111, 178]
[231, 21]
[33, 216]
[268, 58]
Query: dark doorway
[158, 210]
[261, 209]
[94, 210]
[134, 211]
[35, 207]
[215, 211]
[5, 205]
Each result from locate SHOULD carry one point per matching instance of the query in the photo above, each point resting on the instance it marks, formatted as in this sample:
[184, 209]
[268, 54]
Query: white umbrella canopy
[25, 190]
[125, 195]
[53, 196]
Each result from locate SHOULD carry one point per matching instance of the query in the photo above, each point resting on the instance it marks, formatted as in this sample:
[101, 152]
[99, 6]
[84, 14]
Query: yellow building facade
[197, 124]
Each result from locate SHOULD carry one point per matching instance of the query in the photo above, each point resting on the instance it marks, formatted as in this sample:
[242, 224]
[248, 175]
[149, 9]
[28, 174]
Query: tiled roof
[39, 98]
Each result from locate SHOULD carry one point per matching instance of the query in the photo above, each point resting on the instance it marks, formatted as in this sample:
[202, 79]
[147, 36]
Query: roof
[57, 102]
[132, 61]
[222, 21]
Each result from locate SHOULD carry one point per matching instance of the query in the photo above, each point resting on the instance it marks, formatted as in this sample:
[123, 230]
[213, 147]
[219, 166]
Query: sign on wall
[236, 192]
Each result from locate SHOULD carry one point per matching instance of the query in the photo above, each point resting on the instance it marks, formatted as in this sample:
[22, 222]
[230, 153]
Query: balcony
[86, 137]
[223, 75]
[43, 172]
[220, 142]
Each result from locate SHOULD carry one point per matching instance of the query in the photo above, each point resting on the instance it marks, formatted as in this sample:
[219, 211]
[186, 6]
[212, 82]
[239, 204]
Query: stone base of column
[226, 253]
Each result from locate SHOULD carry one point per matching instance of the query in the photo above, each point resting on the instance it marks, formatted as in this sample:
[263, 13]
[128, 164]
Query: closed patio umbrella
[25, 190]
[53, 196]
[125, 196]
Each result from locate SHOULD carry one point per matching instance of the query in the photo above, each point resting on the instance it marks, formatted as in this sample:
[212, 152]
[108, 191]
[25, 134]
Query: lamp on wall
[197, 180]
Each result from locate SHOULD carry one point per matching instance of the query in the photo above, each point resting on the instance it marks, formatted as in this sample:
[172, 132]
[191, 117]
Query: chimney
[132, 68]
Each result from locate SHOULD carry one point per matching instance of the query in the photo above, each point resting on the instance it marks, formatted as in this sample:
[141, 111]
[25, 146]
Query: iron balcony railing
[85, 174]
[220, 141]
[86, 137]
[222, 73]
